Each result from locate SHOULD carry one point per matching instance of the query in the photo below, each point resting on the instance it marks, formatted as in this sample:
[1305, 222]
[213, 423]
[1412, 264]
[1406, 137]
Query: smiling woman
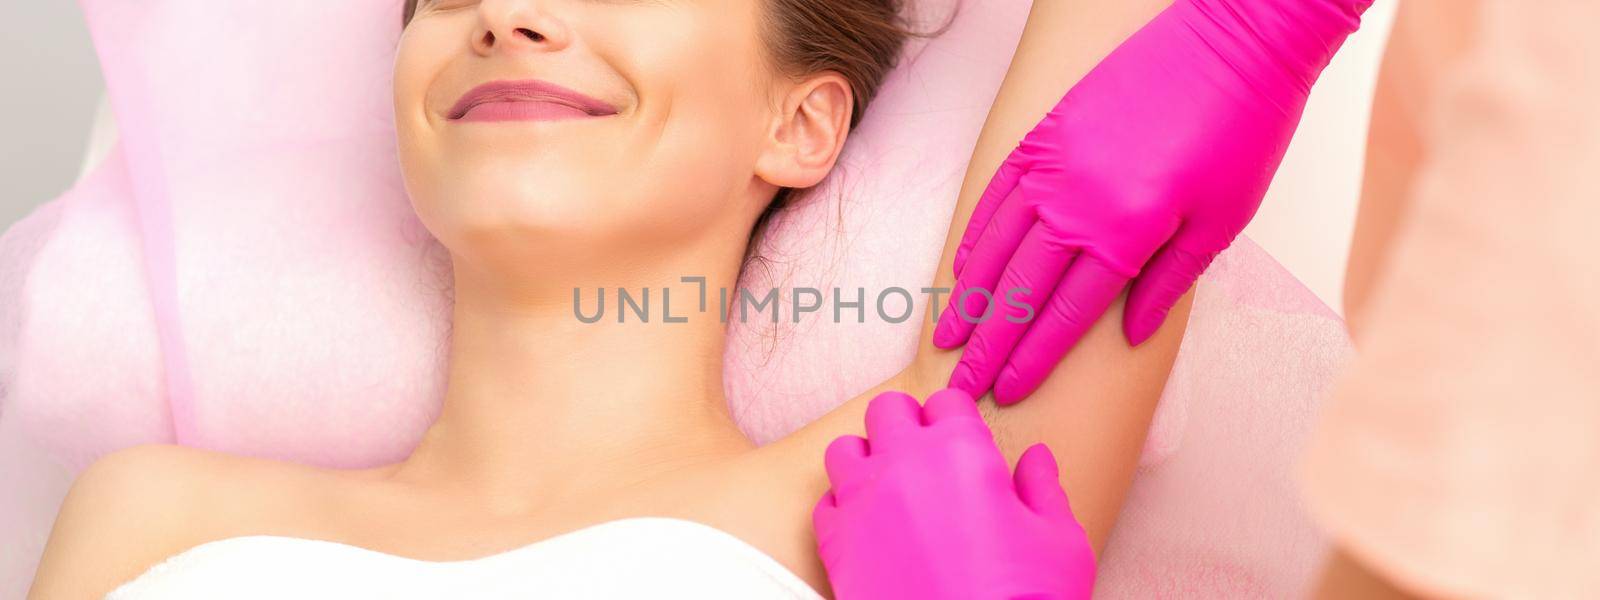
[714, 58]
[559, 145]
[692, 100]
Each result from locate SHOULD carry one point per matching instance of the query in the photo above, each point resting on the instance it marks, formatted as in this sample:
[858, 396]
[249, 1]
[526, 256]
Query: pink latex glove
[926, 509]
[1150, 166]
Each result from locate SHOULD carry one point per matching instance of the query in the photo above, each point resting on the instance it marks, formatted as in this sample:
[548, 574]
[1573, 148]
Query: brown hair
[859, 39]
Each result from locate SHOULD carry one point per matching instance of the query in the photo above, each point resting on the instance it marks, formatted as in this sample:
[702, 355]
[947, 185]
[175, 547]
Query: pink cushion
[244, 274]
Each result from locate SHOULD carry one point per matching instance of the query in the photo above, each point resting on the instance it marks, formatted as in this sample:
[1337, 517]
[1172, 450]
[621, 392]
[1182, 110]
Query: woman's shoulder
[182, 489]
[134, 507]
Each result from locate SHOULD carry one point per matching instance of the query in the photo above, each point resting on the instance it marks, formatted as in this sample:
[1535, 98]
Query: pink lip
[529, 100]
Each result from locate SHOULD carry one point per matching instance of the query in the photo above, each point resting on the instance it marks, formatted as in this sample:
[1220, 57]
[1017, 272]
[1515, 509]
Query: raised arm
[1094, 409]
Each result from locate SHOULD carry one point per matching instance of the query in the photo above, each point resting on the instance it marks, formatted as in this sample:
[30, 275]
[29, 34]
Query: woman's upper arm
[1094, 411]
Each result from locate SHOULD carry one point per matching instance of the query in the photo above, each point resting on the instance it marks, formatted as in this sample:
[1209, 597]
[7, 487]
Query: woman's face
[666, 127]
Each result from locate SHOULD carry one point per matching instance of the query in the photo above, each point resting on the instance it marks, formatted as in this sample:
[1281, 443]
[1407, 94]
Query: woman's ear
[811, 128]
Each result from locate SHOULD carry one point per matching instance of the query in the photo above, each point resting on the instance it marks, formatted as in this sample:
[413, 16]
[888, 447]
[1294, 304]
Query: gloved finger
[1165, 279]
[948, 404]
[970, 299]
[997, 192]
[844, 461]
[1023, 290]
[891, 413]
[1087, 289]
[953, 408]
[1038, 483]
[823, 513]
[825, 507]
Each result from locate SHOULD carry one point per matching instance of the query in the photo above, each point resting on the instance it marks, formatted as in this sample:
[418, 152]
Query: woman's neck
[542, 408]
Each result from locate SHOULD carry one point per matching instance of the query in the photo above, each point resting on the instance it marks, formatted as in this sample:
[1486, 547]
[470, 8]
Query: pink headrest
[286, 299]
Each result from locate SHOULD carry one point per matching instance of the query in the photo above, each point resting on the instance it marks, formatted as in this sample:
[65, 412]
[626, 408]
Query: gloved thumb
[1038, 482]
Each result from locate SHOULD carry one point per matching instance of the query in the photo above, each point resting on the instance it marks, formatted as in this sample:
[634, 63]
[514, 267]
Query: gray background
[52, 88]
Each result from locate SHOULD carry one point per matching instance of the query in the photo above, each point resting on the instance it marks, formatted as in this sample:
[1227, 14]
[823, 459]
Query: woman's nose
[516, 25]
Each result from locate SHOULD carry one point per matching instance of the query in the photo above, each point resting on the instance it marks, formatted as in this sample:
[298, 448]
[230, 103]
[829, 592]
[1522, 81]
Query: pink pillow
[294, 313]
[244, 273]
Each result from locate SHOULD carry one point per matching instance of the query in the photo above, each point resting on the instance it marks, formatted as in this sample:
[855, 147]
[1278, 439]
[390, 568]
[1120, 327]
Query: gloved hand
[1148, 168]
[926, 509]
